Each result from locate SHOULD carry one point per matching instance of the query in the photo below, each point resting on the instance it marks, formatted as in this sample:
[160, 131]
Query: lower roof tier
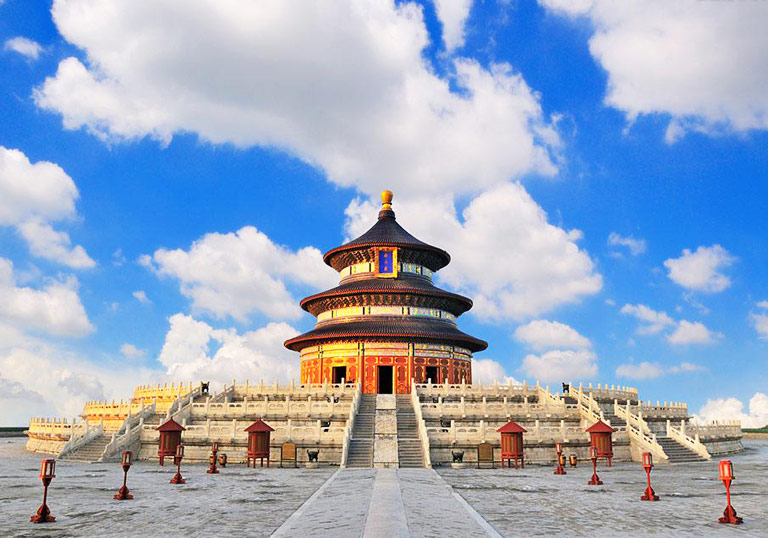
[393, 329]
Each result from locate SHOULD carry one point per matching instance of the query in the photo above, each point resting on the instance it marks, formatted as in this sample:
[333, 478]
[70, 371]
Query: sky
[171, 173]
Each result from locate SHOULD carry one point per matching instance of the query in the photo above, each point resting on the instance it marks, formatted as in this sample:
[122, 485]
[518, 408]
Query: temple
[386, 323]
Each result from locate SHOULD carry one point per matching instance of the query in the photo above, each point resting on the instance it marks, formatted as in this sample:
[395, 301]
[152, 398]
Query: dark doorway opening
[385, 377]
[433, 374]
[339, 373]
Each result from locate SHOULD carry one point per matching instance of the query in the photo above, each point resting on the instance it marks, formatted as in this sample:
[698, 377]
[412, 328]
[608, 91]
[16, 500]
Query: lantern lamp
[47, 473]
[726, 475]
[649, 494]
[558, 448]
[595, 480]
[177, 478]
[126, 461]
[560, 458]
[212, 459]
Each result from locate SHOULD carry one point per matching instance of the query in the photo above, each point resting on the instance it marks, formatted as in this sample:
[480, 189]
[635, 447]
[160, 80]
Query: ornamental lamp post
[43, 515]
[726, 475]
[177, 478]
[560, 458]
[649, 494]
[123, 494]
[595, 480]
[212, 459]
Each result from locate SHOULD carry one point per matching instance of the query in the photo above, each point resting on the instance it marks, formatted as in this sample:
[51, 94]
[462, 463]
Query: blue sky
[172, 174]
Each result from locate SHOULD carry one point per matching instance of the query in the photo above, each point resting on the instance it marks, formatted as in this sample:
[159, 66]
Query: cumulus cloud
[650, 370]
[700, 270]
[701, 63]
[31, 196]
[760, 322]
[235, 274]
[683, 332]
[489, 371]
[733, 409]
[377, 112]
[130, 351]
[453, 15]
[635, 246]
[654, 322]
[693, 333]
[24, 46]
[55, 308]
[47, 380]
[195, 350]
[541, 334]
[561, 365]
[141, 296]
[505, 254]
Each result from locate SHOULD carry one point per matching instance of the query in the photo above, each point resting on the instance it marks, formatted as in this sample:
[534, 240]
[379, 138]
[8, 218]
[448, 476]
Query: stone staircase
[360, 453]
[91, 451]
[409, 452]
[676, 452]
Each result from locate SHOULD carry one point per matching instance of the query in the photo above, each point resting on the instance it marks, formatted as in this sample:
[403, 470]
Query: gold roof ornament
[386, 200]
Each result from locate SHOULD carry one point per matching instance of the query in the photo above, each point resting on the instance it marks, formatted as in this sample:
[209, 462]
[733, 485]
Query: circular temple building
[386, 323]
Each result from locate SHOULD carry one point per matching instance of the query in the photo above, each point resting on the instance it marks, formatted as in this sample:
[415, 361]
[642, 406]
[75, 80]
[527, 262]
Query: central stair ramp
[360, 447]
[409, 445]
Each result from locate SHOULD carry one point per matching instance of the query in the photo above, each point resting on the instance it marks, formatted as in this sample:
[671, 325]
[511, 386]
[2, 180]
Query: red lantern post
[595, 480]
[258, 442]
[560, 458]
[212, 459]
[127, 460]
[649, 494]
[600, 438]
[43, 515]
[512, 443]
[726, 475]
[170, 438]
[177, 478]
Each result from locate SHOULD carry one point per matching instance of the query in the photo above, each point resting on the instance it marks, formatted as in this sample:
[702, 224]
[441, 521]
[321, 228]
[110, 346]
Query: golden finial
[386, 200]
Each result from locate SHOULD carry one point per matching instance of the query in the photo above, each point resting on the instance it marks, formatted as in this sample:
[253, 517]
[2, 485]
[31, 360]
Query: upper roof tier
[387, 233]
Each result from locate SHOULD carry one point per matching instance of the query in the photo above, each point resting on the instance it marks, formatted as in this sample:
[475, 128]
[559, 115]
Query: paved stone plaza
[386, 502]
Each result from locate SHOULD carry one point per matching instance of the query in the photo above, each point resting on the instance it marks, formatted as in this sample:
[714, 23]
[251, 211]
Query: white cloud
[45, 242]
[685, 332]
[130, 351]
[760, 322]
[541, 334]
[505, 255]
[635, 246]
[235, 274]
[188, 352]
[32, 195]
[700, 270]
[693, 333]
[732, 408]
[141, 296]
[643, 370]
[654, 321]
[55, 309]
[26, 47]
[489, 371]
[650, 370]
[342, 85]
[561, 365]
[45, 380]
[702, 63]
[453, 15]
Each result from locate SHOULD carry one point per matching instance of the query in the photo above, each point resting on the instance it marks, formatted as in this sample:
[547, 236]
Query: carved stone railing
[639, 432]
[350, 424]
[606, 392]
[81, 438]
[129, 433]
[421, 425]
[692, 443]
[588, 407]
[725, 429]
[478, 390]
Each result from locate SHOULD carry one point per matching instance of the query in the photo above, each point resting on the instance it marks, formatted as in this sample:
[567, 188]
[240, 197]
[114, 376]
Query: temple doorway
[385, 377]
[339, 373]
[432, 375]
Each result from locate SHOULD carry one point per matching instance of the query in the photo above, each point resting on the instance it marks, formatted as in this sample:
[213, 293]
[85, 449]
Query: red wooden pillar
[512, 443]
[258, 442]
[600, 439]
[170, 438]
